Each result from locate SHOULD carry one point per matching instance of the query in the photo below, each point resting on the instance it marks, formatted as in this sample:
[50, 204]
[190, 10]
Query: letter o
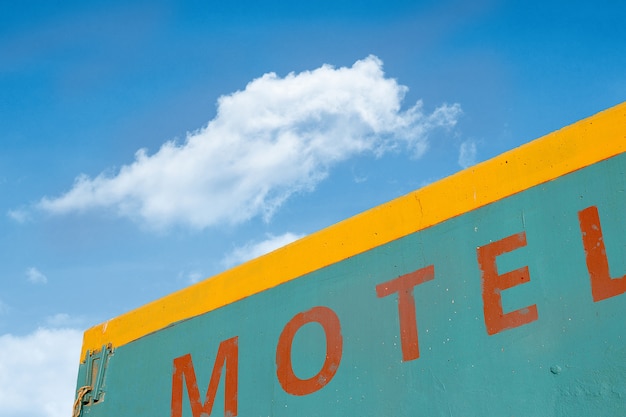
[334, 348]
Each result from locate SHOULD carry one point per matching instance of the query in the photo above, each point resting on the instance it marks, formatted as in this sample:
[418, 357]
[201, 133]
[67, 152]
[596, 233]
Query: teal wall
[571, 361]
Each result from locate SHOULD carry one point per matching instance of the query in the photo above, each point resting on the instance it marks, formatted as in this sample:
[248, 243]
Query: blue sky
[148, 145]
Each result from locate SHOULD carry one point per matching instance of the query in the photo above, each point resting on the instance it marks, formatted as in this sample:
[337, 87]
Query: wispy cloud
[467, 153]
[34, 276]
[277, 137]
[253, 250]
[45, 361]
[4, 308]
[20, 215]
[191, 276]
[63, 320]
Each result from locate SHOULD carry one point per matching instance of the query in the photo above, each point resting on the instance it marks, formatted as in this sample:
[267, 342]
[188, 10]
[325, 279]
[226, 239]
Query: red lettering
[227, 356]
[493, 283]
[403, 285]
[334, 348]
[602, 285]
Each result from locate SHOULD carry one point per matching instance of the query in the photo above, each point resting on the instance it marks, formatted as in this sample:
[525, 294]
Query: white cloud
[195, 276]
[34, 276]
[38, 373]
[191, 275]
[253, 250]
[467, 153]
[4, 308]
[277, 137]
[20, 216]
[63, 320]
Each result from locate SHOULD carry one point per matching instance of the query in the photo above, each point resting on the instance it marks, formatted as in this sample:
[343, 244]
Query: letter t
[403, 285]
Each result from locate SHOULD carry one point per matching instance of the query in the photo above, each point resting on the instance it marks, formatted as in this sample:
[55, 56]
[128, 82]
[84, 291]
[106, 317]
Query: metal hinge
[94, 368]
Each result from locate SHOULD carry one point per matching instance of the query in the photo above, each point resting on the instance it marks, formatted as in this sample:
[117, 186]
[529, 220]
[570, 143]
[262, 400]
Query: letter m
[227, 356]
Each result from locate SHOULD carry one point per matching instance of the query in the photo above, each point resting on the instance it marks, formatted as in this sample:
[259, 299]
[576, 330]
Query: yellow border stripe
[569, 149]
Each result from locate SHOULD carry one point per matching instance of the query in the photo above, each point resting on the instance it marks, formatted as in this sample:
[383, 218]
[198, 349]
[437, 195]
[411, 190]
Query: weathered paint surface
[511, 303]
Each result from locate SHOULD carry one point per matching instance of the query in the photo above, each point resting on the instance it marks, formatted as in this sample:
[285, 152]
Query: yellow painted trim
[569, 149]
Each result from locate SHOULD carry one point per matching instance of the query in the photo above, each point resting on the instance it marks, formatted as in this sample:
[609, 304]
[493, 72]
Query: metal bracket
[96, 364]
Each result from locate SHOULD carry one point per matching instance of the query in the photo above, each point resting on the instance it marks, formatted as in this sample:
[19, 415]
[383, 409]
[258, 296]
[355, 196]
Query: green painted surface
[569, 362]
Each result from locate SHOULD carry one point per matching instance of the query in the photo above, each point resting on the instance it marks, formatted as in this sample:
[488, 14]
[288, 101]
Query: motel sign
[497, 291]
